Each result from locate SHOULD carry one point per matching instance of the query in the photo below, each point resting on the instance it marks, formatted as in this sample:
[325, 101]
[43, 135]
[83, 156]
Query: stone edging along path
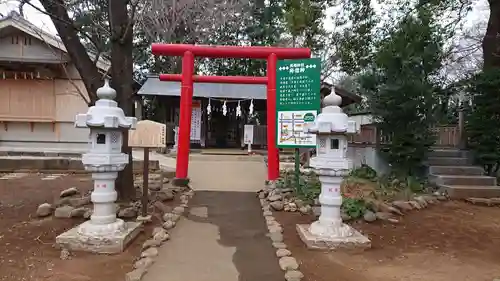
[286, 262]
[159, 236]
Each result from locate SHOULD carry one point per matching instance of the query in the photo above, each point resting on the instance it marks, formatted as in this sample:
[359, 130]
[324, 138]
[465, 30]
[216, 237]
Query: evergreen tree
[483, 119]
[304, 23]
[355, 39]
[402, 85]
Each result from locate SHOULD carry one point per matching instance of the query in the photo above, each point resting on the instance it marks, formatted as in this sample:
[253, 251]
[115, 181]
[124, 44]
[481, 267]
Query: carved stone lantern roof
[332, 120]
[105, 113]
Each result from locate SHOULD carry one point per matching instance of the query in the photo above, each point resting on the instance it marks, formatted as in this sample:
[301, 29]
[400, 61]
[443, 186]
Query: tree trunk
[77, 52]
[122, 80]
[122, 68]
[491, 40]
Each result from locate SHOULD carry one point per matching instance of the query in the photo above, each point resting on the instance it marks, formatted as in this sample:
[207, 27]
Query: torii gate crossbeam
[188, 53]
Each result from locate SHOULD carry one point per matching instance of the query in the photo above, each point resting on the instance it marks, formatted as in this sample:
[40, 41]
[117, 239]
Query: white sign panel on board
[248, 134]
[293, 126]
[147, 134]
[196, 121]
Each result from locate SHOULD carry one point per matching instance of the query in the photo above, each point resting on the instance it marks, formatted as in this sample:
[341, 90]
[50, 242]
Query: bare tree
[464, 55]
[195, 19]
[329, 64]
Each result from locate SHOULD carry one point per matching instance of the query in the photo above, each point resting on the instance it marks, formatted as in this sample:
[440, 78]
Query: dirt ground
[27, 249]
[447, 242]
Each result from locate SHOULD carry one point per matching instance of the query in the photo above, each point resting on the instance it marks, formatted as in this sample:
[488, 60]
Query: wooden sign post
[148, 134]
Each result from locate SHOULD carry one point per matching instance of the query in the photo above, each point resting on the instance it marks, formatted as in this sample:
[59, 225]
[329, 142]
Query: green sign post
[297, 101]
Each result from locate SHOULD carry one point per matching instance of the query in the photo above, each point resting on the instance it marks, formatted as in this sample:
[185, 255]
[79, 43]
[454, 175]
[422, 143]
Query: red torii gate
[188, 52]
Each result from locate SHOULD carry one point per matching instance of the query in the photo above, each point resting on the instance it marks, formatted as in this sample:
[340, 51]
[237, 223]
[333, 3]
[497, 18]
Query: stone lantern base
[91, 238]
[355, 241]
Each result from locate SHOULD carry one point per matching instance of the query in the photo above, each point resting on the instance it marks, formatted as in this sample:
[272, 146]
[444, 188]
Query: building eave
[18, 22]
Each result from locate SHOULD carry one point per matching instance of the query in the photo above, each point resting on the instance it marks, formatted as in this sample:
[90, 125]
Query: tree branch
[56, 18]
[133, 9]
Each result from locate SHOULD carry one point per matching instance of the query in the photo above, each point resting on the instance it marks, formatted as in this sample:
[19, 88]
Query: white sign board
[292, 128]
[147, 134]
[196, 121]
[248, 134]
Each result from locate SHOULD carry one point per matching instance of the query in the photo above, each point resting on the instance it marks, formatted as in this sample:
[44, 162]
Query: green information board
[298, 101]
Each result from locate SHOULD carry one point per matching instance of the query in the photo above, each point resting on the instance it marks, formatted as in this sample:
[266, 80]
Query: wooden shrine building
[41, 91]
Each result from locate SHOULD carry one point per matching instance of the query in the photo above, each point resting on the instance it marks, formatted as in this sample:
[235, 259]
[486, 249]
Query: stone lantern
[331, 165]
[103, 233]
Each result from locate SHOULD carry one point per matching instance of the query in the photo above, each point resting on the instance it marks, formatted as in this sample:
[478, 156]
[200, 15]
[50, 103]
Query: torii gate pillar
[188, 53]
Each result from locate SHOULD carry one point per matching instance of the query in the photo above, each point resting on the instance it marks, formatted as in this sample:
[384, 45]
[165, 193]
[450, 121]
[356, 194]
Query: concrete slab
[226, 158]
[224, 235]
[185, 256]
[215, 151]
[227, 173]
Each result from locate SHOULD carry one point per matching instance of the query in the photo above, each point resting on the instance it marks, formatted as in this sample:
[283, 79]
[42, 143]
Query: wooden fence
[259, 135]
[447, 136]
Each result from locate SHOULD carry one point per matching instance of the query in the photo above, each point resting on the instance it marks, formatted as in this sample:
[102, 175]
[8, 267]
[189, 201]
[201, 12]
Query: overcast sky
[480, 13]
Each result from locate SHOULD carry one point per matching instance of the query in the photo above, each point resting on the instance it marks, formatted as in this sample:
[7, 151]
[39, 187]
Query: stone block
[463, 180]
[180, 182]
[355, 243]
[446, 153]
[138, 165]
[109, 244]
[466, 191]
[447, 161]
[456, 170]
[167, 172]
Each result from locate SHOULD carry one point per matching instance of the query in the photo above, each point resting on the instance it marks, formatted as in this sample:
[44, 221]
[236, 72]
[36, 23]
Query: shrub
[353, 207]
[364, 172]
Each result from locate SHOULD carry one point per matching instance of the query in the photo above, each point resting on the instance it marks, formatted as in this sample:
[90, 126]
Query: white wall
[44, 137]
[367, 155]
